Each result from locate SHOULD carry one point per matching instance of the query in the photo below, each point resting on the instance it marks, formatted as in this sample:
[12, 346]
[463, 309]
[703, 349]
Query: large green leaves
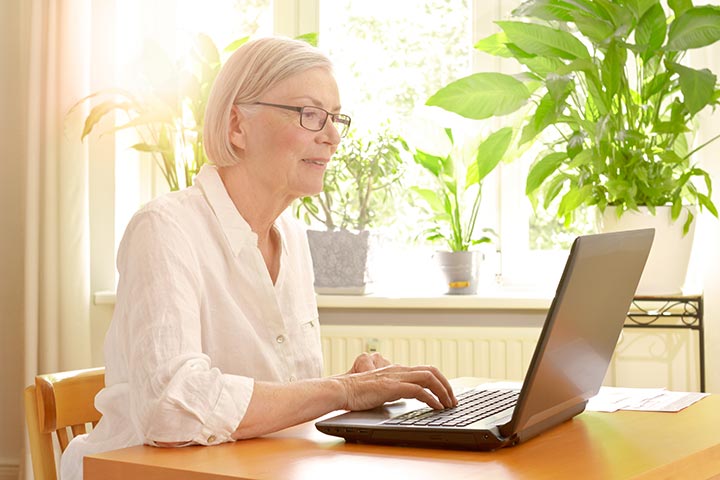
[650, 32]
[495, 45]
[697, 86]
[640, 7]
[99, 111]
[489, 154]
[573, 199]
[482, 95]
[542, 66]
[613, 73]
[680, 6]
[541, 170]
[432, 163]
[696, 27]
[558, 10]
[544, 41]
[546, 10]
[615, 106]
[311, 38]
[597, 29]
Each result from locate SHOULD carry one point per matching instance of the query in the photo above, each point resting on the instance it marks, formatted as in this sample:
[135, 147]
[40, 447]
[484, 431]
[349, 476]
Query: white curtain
[57, 296]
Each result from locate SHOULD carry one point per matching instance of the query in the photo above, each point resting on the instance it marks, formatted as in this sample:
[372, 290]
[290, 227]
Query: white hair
[252, 70]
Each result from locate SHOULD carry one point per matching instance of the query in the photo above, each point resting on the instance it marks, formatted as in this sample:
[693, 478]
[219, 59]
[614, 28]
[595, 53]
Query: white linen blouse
[197, 319]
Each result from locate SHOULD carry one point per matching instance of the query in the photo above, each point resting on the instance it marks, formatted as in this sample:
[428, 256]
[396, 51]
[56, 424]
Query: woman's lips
[316, 161]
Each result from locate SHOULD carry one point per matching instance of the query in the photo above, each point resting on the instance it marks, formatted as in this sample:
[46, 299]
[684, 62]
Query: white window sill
[495, 299]
[499, 299]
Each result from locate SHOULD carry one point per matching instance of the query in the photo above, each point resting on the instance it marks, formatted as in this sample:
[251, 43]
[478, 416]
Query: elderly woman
[215, 335]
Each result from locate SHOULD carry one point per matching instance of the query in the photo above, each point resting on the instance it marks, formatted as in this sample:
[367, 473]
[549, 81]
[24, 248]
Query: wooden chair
[58, 402]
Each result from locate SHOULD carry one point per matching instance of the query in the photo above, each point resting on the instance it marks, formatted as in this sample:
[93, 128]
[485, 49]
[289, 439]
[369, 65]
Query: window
[389, 58]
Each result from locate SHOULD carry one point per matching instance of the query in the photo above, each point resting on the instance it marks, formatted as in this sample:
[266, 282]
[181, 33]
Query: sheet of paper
[612, 399]
[667, 401]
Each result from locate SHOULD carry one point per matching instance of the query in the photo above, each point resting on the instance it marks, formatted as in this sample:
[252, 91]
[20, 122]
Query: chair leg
[41, 446]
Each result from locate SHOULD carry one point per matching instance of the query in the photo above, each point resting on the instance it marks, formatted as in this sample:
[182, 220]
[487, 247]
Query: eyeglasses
[314, 118]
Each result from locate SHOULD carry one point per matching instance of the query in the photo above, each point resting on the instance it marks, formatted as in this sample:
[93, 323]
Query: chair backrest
[58, 402]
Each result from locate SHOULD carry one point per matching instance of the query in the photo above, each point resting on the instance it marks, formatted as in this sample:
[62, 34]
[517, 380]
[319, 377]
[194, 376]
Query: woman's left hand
[368, 361]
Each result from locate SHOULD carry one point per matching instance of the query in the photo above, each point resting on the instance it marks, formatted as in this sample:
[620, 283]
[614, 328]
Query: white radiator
[658, 359]
[456, 351]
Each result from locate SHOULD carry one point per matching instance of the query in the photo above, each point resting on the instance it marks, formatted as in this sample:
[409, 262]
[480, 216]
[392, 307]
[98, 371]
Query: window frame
[292, 18]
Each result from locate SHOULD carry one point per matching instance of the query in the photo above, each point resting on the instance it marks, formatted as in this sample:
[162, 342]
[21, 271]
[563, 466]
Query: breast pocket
[310, 333]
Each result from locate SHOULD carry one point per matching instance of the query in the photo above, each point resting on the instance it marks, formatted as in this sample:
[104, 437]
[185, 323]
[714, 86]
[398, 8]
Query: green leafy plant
[608, 96]
[359, 184]
[452, 223]
[169, 114]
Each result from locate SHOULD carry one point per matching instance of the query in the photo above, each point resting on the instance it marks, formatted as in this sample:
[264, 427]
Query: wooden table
[593, 445]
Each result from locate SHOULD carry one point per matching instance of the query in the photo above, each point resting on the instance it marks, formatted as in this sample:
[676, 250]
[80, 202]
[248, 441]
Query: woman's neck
[259, 206]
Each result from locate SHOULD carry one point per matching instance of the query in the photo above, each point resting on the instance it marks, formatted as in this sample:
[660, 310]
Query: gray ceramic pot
[339, 261]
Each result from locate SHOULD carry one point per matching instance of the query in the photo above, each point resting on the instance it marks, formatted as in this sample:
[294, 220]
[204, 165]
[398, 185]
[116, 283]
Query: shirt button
[211, 438]
[292, 378]
[280, 339]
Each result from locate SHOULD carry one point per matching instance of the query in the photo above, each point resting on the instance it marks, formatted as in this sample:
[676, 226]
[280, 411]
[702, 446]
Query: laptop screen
[582, 327]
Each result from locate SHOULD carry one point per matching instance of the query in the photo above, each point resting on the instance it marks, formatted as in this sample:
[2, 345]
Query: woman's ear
[237, 128]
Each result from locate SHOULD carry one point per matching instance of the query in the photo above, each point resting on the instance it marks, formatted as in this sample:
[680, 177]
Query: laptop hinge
[539, 427]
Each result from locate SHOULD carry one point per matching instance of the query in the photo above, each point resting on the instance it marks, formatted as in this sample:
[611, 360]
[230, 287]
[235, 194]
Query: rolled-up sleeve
[176, 394]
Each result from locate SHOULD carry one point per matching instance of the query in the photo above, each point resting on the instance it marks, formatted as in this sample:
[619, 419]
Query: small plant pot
[340, 261]
[460, 270]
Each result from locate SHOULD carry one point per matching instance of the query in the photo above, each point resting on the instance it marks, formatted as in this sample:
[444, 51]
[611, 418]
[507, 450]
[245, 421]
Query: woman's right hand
[274, 406]
[368, 361]
[370, 389]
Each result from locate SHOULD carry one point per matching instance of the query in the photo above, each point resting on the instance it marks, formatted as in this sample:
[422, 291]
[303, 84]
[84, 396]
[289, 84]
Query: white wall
[12, 119]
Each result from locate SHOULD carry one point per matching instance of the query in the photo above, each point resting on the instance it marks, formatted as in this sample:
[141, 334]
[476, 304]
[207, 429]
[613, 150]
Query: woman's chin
[310, 190]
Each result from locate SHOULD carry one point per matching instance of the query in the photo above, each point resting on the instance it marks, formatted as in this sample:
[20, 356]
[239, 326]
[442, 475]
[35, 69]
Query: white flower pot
[667, 265]
[460, 270]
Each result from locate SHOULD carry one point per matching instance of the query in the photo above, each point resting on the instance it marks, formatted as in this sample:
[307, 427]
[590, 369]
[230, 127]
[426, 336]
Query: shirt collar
[236, 229]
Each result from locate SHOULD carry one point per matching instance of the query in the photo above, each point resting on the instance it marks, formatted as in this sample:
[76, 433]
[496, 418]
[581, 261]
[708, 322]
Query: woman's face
[278, 152]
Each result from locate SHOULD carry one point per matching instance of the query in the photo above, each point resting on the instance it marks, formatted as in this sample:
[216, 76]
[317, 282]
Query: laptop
[571, 359]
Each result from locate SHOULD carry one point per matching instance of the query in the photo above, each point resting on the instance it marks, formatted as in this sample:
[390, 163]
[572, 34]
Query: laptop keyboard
[473, 405]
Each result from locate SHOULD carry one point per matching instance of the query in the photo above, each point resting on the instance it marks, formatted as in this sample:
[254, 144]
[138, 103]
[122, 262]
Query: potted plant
[454, 204]
[169, 114]
[359, 185]
[612, 104]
